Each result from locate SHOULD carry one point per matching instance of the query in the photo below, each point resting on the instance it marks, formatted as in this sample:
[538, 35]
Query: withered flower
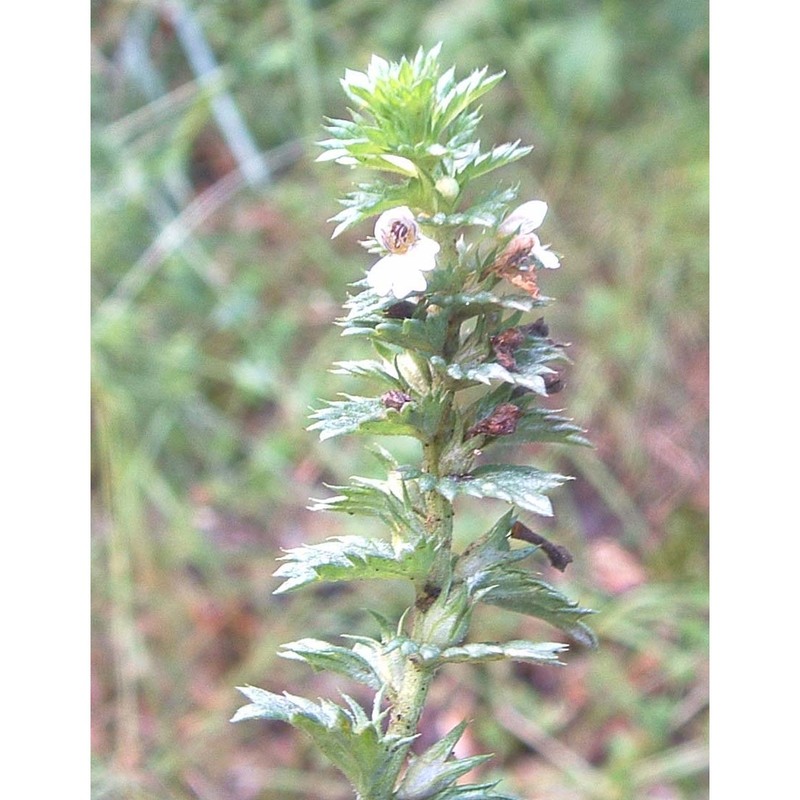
[504, 346]
[395, 399]
[501, 422]
[523, 221]
[557, 554]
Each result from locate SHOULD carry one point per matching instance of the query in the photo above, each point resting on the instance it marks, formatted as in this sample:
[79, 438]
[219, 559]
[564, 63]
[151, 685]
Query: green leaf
[543, 425]
[463, 95]
[473, 791]
[446, 621]
[366, 306]
[369, 368]
[432, 772]
[323, 656]
[489, 372]
[393, 501]
[365, 415]
[492, 549]
[367, 200]
[399, 164]
[351, 558]
[488, 212]
[418, 416]
[388, 659]
[518, 591]
[517, 650]
[475, 303]
[521, 485]
[485, 568]
[497, 157]
[354, 743]
[425, 336]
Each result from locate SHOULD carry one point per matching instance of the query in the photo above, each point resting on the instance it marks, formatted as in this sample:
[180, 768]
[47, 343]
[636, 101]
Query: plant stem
[411, 699]
[417, 677]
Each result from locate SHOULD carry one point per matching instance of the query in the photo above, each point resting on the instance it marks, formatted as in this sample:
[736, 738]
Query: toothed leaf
[521, 485]
[472, 791]
[348, 416]
[486, 569]
[517, 650]
[482, 302]
[352, 558]
[489, 372]
[369, 368]
[519, 591]
[497, 157]
[544, 425]
[431, 773]
[392, 501]
[321, 656]
[354, 743]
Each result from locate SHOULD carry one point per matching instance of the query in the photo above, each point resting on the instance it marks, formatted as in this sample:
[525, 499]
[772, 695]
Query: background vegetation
[215, 288]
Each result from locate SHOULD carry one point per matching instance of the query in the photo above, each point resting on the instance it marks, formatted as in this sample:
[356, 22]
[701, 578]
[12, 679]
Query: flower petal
[547, 259]
[381, 275]
[397, 230]
[424, 253]
[408, 281]
[525, 218]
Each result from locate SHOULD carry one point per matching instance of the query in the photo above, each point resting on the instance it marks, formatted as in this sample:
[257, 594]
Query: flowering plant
[443, 308]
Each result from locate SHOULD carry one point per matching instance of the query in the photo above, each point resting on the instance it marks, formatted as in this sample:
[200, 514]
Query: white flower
[523, 221]
[410, 255]
[525, 218]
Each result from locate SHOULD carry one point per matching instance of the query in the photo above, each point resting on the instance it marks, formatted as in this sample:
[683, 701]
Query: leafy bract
[434, 771]
[531, 358]
[369, 368]
[521, 485]
[486, 569]
[481, 302]
[472, 791]
[377, 664]
[425, 336]
[544, 425]
[517, 650]
[355, 743]
[489, 372]
[321, 655]
[418, 418]
[487, 212]
[519, 591]
[392, 501]
[359, 414]
[350, 558]
[473, 164]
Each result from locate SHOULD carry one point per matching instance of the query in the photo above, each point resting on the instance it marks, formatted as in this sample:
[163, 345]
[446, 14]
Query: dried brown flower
[515, 263]
[395, 399]
[501, 422]
[504, 345]
[557, 554]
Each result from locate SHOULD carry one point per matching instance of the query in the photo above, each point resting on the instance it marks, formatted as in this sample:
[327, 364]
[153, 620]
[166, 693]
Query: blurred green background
[215, 288]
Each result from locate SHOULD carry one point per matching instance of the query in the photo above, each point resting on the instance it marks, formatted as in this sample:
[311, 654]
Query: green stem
[410, 701]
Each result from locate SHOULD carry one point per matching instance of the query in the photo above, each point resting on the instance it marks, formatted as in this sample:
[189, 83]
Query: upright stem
[417, 677]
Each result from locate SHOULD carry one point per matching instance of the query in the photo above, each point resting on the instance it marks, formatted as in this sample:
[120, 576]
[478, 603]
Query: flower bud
[446, 620]
[448, 187]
